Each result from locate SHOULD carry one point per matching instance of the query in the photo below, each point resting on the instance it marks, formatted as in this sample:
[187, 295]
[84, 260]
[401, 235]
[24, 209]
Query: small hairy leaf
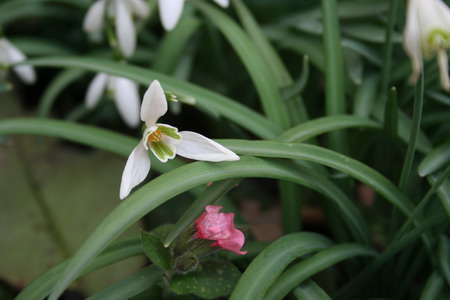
[155, 250]
[215, 279]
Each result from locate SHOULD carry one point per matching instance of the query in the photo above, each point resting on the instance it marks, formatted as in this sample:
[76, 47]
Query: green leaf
[42, 285]
[268, 265]
[433, 287]
[310, 291]
[39, 47]
[174, 42]
[230, 109]
[312, 128]
[438, 158]
[84, 134]
[414, 133]
[444, 257]
[404, 241]
[303, 270]
[328, 158]
[304, 45]
[442, 184]
[369, 33]
[54, 88]
[404, 127]
[390, 114]
[265, 82]
[365, 96]
[155, 250]
[334, 71]
[215, 279]
[130, 286]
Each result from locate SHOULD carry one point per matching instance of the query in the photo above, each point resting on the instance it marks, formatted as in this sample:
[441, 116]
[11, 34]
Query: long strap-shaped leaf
[265, 82]
[303, 270]
[228, 108]
[328, 158]
[310, 290]
[130, 286]
[269, 264]
[42, 285]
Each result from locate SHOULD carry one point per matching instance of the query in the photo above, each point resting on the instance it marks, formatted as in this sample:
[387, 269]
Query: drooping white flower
[124, 91]
[427, 33]
[170, 11]
[164, 141]
[10, 54]
[122, 11]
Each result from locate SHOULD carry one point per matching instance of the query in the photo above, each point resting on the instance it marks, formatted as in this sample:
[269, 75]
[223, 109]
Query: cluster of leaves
[183, 272]
[349, 123]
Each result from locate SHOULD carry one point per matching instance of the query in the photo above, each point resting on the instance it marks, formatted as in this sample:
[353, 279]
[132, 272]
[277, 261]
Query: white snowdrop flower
[125, 93]
[427, 33]
[164, 141]
[10, 54]
[170, 11]
[122, 11]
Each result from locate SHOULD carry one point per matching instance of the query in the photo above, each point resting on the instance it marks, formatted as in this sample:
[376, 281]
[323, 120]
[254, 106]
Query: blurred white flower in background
[164, 141]
[427, 33]
[170, 11]
[10, 54]
[124, 91]
[122, 12]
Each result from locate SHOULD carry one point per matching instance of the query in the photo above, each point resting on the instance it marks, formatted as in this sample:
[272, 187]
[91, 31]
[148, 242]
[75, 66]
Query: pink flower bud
[219, 227]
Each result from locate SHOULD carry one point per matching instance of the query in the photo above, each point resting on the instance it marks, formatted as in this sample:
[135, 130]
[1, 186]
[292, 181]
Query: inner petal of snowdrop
[161, 140]
[437, 39]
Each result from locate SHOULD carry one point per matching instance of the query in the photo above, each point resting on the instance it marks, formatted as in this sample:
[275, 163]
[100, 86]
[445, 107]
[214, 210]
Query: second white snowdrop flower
[125, 93]
[427, 33]
[122, 11]
[170, 11]
[10, 54]
[164, 141]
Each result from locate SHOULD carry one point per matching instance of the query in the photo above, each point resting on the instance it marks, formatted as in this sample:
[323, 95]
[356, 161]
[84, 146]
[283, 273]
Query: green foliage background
[314, 97]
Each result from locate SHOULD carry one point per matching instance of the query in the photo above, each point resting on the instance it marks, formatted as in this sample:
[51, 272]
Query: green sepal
[184, 264]
[155, 250]
[215, 279]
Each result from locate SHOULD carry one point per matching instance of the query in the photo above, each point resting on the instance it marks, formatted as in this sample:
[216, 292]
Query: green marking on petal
[436, 39]
[162, 151]
[169, 131]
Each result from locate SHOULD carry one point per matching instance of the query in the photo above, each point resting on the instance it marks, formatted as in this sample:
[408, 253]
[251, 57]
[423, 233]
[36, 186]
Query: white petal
[93, 20]
[125, 31]
[196, 146]
[443, 69]
[127, 100]
[170, 12]
[136, 169]
[154, 104]
[412, 40]
[14, 55]
[444, 12]
[26, 73]
[140, 8]
[223, 3]
[95, 90]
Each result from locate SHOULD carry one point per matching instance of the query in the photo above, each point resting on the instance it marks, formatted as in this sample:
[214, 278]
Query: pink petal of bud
[233, 243]
[217, 226]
